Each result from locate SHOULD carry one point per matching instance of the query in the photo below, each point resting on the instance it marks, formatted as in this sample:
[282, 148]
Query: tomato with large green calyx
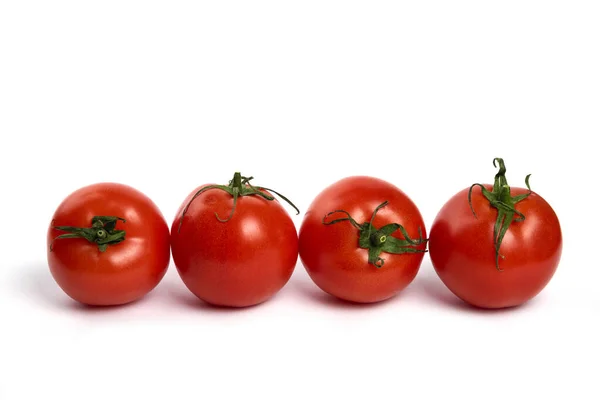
[108, 244]
[362, 240]
[234, 245]
[498, 246]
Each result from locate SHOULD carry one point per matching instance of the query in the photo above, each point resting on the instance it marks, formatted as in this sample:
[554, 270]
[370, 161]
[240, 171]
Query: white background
[168, 95]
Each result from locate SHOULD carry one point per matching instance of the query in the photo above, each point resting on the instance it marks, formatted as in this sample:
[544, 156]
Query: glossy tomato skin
[462, 251]
[238, 263]
[126, 271]
[331, 255]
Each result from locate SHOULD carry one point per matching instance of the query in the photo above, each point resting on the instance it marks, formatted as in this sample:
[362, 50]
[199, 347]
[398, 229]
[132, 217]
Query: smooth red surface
[238, 263]
[126, 271]
[331, 255]
[462, 251]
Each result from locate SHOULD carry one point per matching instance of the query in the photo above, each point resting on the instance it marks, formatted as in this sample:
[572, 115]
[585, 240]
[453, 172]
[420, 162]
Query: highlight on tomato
[496, 246]
[234, 245]
[362, 240]
[107, 244]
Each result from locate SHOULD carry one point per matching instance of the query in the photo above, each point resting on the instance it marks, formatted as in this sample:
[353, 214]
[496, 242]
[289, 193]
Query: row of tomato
[362, 240]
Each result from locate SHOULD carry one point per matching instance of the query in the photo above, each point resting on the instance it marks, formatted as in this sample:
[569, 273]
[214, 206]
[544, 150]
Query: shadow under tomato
[34, 282]
[309, 290]
[430, 284]
[90, 309]
[183, 296]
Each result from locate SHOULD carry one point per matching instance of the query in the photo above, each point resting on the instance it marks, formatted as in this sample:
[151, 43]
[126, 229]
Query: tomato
[362, 240]
[234, 245]
[501, 252]
[108, 244]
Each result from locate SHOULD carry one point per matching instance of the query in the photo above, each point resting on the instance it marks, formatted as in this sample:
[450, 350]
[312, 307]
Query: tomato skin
[126, 271]
[238, 263]
[331, 255]
[462, 250]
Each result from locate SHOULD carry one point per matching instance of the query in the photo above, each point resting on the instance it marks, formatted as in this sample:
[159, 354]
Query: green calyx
[102, 232]
[379, 241]
[501, 200]
[239, 186]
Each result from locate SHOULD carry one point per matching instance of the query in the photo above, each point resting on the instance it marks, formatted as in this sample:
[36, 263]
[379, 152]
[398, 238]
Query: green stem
[236, 182]
[500, 198]
[102, 232]
[377, 238]
[379, 241]
[237, 187]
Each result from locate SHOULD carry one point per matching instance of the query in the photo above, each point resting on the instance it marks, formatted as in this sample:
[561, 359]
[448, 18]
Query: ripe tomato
[108, 244]
[500, 252]
[362, 240]
[238, 261]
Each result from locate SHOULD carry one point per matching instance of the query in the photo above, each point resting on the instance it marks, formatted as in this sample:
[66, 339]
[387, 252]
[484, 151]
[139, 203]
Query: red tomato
[350, 253]
[108, 244]
[500, 253]
[238, 261]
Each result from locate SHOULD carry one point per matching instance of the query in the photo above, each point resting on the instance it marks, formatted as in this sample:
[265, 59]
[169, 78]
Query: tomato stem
[237, 187]
[380, 240]
[102, 232]
[501, 199]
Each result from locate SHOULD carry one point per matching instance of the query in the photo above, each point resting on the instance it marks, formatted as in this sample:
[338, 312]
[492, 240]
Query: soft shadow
[35, 282]
[88, 309]
[309, 290]
[182, 296]
[434, 288]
